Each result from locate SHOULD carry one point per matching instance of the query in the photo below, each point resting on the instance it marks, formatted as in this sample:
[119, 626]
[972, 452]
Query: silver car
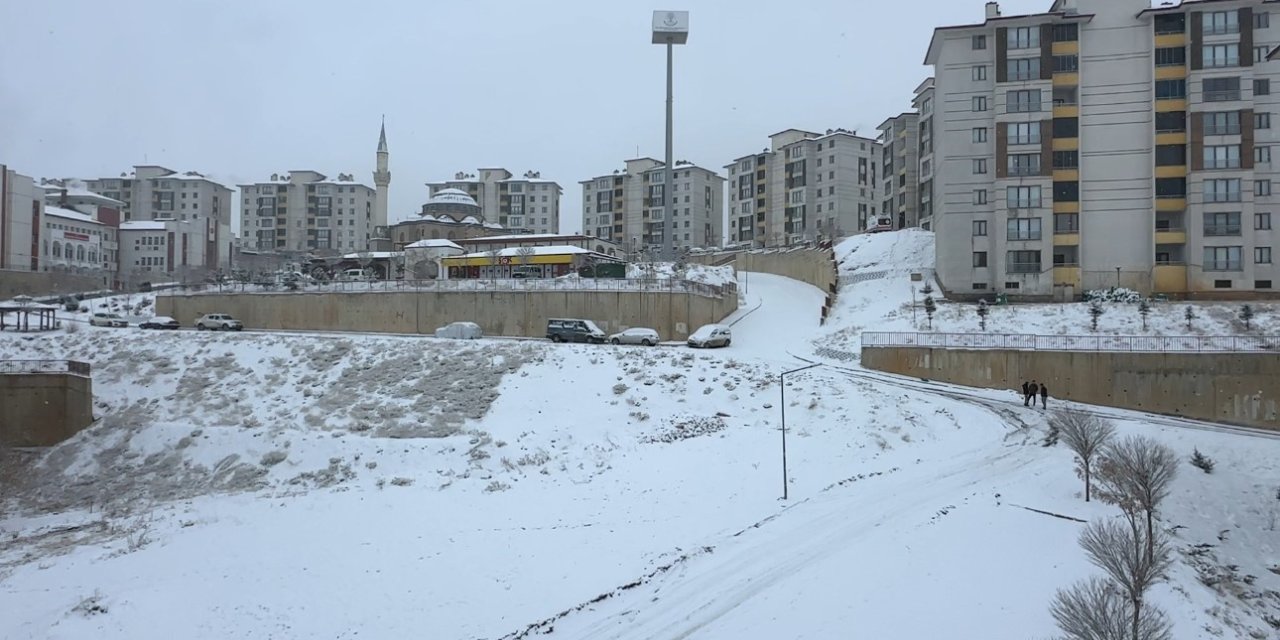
[636, 335]
[711, 335]
[104, 319]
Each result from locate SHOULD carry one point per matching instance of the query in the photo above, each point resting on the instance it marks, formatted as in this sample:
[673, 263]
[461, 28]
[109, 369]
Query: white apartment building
[627, 207]
[805, 186]
[21, 206]
[73, 241]
[1104, 143]
[527, 202]
[305, 211]
[923, 104]
[152, 192]
[900, 169]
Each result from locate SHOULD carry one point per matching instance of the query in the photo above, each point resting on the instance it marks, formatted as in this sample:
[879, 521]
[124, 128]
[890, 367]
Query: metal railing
[44, 366]
[1158, 344]
[655, 285]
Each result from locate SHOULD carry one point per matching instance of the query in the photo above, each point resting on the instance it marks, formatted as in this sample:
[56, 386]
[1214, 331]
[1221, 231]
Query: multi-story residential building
[306, 212]
[923, 103]
[72, 241]
[527, 202]
[900, 169]
[1116, 143]
[102, 230]
[21, 206]
[804, 187]
[627, 207]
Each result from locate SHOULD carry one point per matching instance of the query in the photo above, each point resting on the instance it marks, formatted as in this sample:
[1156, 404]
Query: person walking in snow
[1044, 396]
[1034, 390]
[1026, 393]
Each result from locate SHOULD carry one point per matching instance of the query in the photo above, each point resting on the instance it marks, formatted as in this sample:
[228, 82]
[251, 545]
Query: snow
[377, 255]
[511, 252]
[142, 225]
[522, 236]
[69, 214]
[470, 220]
[703, 274]
[77, 192]
[294, 485]
[430, 243]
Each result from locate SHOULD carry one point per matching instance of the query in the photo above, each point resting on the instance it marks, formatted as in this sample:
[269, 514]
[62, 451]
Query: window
[1171, 121]
[1022, 197]
[1262, 255]
[1023, 69]
[979, 286]
[1171, 89]
[1171, 187]
[980, 72]
[1022, 101]
[1262, 120]
[1022, 262]
[1222, 224]
[1066, 159]
[1171, 155]
[1023, 132]
[1222, 123]
[1261, 87]
[1261, 187]
[979, 227]
[1066, 223]
[1024, 164]
[979, 196]
[1066, 64]
[1171, 57]
[1171, 23]
[1066, 191]
[1221, 284]
[1066, 32]
[1024, 37]
[1261, 19]
[1221, 55]
[980, 165]
[1260, 53]
[1262, 221]
[1221, 190]
[979, 258]
[979, 103]
[1221, 89]
[1222, 157]
[1220, 22]
[979, 42]
[980, 134]
[1066, 127]
[1222, 259]
[1262, 155]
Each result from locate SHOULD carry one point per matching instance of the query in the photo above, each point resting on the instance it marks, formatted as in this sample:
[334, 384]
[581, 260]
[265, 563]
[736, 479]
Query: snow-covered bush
[1113, 294]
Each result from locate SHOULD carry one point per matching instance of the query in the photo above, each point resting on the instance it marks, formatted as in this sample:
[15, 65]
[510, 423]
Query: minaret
[381, 178]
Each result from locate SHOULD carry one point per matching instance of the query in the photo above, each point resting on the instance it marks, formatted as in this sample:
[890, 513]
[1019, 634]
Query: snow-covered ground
[288, 486]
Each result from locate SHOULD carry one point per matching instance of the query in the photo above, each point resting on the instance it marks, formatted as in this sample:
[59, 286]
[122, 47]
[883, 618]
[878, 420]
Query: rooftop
[53, 189]
[453, 196]
[513, 252]
[434, 243]
[69, 214]
[525, 236]
[142, 225]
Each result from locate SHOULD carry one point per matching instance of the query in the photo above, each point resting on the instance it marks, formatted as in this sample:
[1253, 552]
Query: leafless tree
[525, 256]
[1131, 560]
[1135, 474]
[493, 255]
[1095, 609]
[1086, 435]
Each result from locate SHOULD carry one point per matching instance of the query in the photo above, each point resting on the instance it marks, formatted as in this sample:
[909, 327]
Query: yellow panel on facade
[1066, 207]
[1171, 172]
[484, 261]
[1170, 73]
[1164, 106]
[1170, 278]
[1171, 237]
[1067, 276]
[1172, 138]
[1171, 40]
[1066, 144]
[1066, 175]
[1066, 111]
[1066, 48]
[1171, 204]
[1066, 239]
[1066, 79]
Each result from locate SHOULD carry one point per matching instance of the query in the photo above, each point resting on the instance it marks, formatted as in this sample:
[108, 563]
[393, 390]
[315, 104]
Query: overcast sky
[571, 88]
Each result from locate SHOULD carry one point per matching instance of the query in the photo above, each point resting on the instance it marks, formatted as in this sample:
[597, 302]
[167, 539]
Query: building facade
[1107, 143]
[73, 241]
[924, 104]
[307, 212]
[627, 207]
[900, 169]
[21, 207]
[805, 186]
[526, 202]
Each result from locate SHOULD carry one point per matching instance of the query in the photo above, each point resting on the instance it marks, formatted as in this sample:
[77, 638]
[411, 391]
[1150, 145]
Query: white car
[460, 331]
[711, 335]
[103, 319]
[636, 335]
[218, 322]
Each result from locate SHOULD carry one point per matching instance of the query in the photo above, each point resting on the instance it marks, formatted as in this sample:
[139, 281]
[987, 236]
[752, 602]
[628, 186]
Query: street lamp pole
[669, 28]
[782, 390]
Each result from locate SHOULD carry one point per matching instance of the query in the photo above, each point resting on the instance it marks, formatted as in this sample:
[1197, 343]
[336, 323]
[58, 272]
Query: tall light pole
[669, 28]
[782, 388]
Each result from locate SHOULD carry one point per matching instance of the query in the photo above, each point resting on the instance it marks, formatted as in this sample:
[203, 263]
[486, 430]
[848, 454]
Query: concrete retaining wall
[500, 313]
[47, 283]
[1236, 388]
[814, 266]
[43, 409]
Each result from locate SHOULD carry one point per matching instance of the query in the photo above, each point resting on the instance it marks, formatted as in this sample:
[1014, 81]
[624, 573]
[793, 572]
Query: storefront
[523, 262]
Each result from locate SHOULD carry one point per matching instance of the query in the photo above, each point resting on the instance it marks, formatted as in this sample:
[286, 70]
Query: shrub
[1202, 462]
[1095, 312]
[1144, 310]
[1113, 294]
[1246, 314]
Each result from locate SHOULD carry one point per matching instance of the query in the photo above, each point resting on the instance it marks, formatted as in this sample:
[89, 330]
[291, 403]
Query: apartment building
[900, 169]
[527, 202]
[21, 206]
[305, 211]
[804, 186]
[1104, 143]
[627, 207]
[923, 104]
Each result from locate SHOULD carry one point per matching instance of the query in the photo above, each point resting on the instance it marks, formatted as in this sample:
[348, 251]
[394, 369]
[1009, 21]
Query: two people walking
[1032, 389]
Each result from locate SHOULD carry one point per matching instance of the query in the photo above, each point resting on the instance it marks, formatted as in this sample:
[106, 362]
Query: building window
[1171, 56]
[1221, 22]
[980, 72]
[1024, 37]
[1261, 87]
[1262, 120]
[1222, 259]
[1066, 159]
[979, 196]
[979, 166]
[980, 134]
[1022, 101]
[1171, 121]
[979, 286]
[1023, 229]
[1022, 262]
[1262, 155]
[1171, 187]
[1066, 191]
[1171, 89]
[1066, 127]
[1260, 54]
[1222, 223]
[1171, 155]
[1066, 223]
[979, 227]
[1023, 132]
[1066, 64]
[1221, 55]
[1262, 221]
[979, 259]
[1222, 157]
[1222, 190]
[1024, 164]
[979, 42]
[1261, 19]
[1023, 197]
[1022, 69]
[1262, 255]
[1261, 187]
[1222, 123]
[1170, 23]
[979, 103]
[1221, 89]
[1066, 32]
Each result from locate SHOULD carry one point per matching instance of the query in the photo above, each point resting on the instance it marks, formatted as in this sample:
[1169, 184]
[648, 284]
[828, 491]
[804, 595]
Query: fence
[44, 366]
[1159, 344]
[656, 285]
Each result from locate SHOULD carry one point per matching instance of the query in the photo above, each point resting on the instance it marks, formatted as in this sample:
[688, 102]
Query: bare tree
[493, 254]
[1086, 435]
[366, 259]
[1131, 559]
[1134, 474]
[1095, 609]
[525, 255]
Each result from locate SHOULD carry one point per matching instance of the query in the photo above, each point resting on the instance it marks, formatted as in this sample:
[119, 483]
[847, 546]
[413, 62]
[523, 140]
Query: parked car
[460, 331]
[636, 335]
[160, 322]
[526, 272]
[574, 330]
[218, 322]
[711, 335]
[357, 275]
[104, 319]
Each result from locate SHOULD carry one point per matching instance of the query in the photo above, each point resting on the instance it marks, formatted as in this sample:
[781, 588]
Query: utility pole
[669, 28]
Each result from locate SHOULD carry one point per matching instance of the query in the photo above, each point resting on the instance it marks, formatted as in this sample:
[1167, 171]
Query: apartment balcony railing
[1023, 171]
[1230, 163]
[1066, 230]
[1023, 267]
[1023, 236]
[1222, 230]
[1224, 265]
[1225, 196]
[1225, 130]
[1221, 96]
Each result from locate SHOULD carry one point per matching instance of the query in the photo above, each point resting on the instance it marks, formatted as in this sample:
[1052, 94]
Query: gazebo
[23, 308]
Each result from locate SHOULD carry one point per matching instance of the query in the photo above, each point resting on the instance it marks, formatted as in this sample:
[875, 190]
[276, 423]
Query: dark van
[574, 330]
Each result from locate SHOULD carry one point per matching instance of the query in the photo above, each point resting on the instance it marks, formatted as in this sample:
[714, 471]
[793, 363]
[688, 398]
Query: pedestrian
[1026, 392]
[1044, 396]
[1034, 389]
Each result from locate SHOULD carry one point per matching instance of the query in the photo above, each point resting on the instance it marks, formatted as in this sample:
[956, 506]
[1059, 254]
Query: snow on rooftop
[452, 196]
[556, 250]
[520, 236]
[471, 220]
[373, 254]
[52, 190]
[493, 225]
[434, 243]
[142, 225]
[69, 214]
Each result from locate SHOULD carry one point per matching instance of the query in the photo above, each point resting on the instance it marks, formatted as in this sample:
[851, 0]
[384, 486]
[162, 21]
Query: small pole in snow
[782, 391]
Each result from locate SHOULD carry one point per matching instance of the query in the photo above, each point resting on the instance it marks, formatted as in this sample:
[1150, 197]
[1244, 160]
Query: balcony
[1218, 230]
[1023, 267]
[1169, 278]
[1222, 96]
[1232, 129]
[1066, 275]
